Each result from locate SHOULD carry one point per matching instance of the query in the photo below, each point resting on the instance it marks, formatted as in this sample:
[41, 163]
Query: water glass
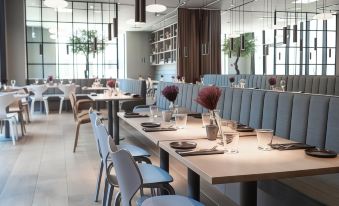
[264, 137]
[167, 115]
[206, 119]
[153, 111]
[180, 121]
[283, 85]
[233, 125]
[61, 81]
[70, 81]
[230, 141]
[36, 81]
[13, 82]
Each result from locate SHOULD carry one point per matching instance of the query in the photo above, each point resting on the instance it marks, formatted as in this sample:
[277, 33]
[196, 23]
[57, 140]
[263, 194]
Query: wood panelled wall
[199, 43]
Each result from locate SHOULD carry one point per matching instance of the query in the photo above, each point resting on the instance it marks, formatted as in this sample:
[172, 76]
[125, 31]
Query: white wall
[137, 52]
[16, 40]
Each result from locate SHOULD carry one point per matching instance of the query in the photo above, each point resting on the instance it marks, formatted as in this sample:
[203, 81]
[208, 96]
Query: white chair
[5, 101]
[38, 91]
[67, 89]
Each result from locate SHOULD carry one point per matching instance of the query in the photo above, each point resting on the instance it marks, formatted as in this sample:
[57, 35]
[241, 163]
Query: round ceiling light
[56, 4]
[323, 16]
[156, 8]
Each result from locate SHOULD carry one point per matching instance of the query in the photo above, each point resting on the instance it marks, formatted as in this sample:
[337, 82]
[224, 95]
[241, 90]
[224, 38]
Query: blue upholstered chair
[131, 180]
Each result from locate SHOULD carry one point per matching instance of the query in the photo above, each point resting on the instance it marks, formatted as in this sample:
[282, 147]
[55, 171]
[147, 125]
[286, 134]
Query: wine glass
[13, 82]
[61, 81]
[36, 81]
[45, 81]
[283, 84]
[70, 81]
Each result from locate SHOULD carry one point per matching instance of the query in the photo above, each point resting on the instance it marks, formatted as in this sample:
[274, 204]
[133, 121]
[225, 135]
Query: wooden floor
[42, 169]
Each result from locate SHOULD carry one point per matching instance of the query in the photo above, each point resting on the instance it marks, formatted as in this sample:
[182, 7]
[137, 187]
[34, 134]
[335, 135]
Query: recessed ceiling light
[56, 4]
[303, 1]
[156, 8]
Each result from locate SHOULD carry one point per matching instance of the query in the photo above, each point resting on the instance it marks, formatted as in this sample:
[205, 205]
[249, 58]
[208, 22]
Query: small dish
[245, 128]
[322, 153]
[150, 124]
[183, 145]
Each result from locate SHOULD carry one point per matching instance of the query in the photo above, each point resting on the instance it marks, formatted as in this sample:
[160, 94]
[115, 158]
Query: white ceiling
[258, 13]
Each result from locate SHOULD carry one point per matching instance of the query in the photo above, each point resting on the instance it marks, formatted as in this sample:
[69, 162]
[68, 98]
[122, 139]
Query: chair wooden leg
[76, 137]
[27, 113]
[99, 181]
[61, 102]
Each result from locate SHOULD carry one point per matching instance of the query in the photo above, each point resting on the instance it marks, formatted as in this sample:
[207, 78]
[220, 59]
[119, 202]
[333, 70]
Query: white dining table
[247, 167]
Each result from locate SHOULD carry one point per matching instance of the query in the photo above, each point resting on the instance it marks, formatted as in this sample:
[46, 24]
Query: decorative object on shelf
[173, 79]
[249, 48]
[232, 80]
[202, 79]
[208, 97]
[170, 93]
[82, 44]
[272, 81]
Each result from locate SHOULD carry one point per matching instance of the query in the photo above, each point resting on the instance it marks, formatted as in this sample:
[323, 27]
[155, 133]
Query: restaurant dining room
[169, 102]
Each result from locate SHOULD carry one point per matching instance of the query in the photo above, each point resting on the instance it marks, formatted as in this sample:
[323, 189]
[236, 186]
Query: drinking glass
[153, 111]
[264, 137]
[283, 85]
[36, 81]
[13, 82]
[45, 81]
[230, 141]
[206, 119]
[70, 81]
[233, 125]
[180, 120]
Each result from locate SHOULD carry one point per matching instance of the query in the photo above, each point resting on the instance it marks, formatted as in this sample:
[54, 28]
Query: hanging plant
[248, 50]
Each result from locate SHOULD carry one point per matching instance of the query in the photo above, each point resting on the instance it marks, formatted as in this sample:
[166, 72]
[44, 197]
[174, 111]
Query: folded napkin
[127, 93]
[135, 115]
[195, 115]
[291, 146]
[135, 95]
[199, 152]
[158, 129]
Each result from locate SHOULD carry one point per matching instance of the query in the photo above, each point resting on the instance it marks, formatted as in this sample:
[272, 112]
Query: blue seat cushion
[170, 200]
[134, 150]
[152, 174]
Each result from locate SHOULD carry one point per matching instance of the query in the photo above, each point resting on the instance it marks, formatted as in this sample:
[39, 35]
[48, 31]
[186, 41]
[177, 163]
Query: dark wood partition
[198, 43]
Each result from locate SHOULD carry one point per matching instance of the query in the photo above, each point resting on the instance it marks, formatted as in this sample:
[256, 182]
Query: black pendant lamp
[295, 31]
[330, 53]
[315, 44]
[67, 49]
[232, 44]
[285, 35]
[109, 31]
[41, 50]
[140, 11]
[242, 41]
[115, 27]
[95, 44]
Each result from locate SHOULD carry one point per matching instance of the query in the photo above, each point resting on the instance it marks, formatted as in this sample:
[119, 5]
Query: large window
[49, 45]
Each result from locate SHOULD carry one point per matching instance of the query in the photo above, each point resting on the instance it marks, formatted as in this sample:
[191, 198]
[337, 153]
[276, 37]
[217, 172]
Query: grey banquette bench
[310, 84]
[302, 117]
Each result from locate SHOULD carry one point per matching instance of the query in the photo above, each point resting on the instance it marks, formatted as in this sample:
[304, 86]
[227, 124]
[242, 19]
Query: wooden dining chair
[80, 118]
[131, 180]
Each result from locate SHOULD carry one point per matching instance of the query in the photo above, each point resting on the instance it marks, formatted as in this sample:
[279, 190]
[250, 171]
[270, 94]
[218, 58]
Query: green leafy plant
[237, 51]
[83, 43]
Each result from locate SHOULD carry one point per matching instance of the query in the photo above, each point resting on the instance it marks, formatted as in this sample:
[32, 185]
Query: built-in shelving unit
[164, 45]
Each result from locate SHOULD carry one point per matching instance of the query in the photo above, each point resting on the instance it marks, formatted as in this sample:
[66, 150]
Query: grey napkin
[200, 152]
[158, 129]
[291, 146]
[135, 115]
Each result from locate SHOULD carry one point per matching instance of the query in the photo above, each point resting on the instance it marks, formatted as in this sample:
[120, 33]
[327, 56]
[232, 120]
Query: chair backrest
[93, 117]
[73, 105]
[128, 175]
[5, 100]
[67, 89]
[38, 90]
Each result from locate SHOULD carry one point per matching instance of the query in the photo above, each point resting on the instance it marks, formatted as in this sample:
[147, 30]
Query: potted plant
[50, 79]
[85, 44]
[170, 93]
[237, 51]
[208, 97]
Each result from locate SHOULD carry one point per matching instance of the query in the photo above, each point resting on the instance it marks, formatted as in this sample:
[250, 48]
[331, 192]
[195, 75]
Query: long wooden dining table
[247, 167]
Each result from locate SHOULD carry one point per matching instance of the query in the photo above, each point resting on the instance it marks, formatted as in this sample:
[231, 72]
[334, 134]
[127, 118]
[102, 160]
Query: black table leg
[7, 132]
[193, 180]
[116, 122]
[164, 160]
[248, 193]
[110, 117]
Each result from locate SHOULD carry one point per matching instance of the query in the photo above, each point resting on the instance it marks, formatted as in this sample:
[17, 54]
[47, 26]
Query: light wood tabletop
[252, 164]
[103, 97]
